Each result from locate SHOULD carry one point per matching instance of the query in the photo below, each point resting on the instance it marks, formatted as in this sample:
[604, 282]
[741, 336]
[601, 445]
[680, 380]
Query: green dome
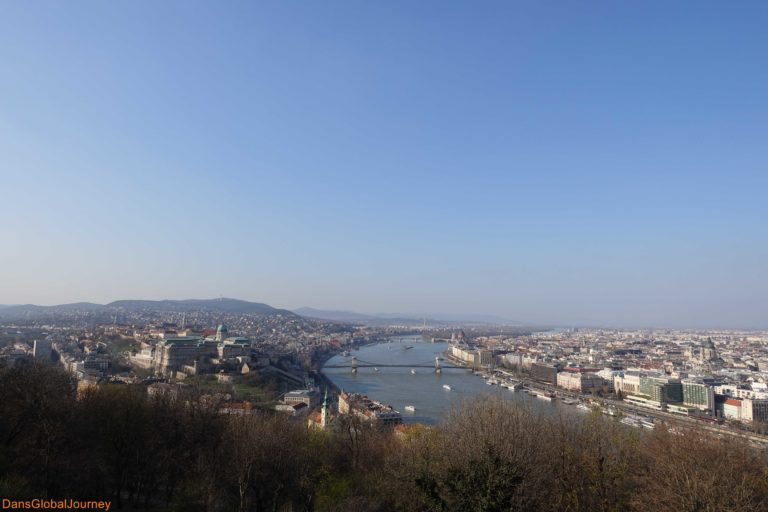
[222, 328]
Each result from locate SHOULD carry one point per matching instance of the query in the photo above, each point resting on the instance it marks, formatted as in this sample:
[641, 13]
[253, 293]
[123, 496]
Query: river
[424, 389]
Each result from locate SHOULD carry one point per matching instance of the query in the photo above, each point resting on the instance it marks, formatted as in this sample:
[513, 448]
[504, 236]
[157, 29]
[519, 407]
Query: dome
[222, 328]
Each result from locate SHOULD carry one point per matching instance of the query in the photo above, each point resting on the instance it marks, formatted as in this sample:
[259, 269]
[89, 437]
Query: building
[172, 353]
[699, 395]
[308, 397]
[581, 382]
[472, 355]
[708, 351]
[184, 352]
[662, 389]
[754, 409]
[484, 357]
[323, 418]
[369, 410]
[294, 409]
[42, 349]
[744, 409]
[545, 372]
[627, 383]
[729, 390]
[732, 408]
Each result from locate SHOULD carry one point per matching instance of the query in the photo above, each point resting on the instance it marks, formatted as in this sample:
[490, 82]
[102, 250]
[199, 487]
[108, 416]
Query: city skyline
[544, 163]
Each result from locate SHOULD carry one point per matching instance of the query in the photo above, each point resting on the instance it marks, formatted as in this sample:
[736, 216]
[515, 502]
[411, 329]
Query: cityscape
[713, 377]
[383, 256]
[249, 361]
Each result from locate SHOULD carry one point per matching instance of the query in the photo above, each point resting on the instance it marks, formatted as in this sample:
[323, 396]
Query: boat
[407, 348]
[491, 382]
[413, 371]
[345, 353]
[446, 386]
[583, 407]
[568, 402]
[410, 408]
[544, 397]
[375, 369]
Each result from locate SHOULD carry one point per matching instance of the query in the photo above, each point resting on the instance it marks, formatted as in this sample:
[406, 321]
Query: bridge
[356, 363]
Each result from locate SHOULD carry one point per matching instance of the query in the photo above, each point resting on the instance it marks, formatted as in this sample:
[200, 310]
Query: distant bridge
[356, 363]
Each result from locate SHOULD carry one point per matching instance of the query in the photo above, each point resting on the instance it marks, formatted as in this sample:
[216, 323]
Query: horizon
[547, 163]
[467, 317]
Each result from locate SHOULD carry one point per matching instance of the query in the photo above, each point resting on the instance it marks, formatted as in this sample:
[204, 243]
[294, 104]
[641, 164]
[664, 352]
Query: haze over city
[565, 164]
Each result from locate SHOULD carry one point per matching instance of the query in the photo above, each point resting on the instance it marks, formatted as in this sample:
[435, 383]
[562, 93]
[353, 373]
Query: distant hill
[230, 306]
[21, 310]
[226, 306]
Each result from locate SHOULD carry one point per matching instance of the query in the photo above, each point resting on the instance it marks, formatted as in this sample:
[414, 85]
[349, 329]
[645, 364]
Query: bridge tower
[437, 365]
[354, 364]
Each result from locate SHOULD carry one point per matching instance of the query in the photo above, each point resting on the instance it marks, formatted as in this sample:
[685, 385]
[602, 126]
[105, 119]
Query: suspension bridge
[356, 363]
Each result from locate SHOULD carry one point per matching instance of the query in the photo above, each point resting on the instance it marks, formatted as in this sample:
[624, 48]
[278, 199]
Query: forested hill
[228, 306]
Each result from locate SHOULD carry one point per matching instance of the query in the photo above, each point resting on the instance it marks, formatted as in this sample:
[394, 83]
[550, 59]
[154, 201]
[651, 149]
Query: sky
[575, 163]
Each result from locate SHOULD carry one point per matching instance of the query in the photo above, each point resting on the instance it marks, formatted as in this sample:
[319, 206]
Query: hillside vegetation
[161, 453]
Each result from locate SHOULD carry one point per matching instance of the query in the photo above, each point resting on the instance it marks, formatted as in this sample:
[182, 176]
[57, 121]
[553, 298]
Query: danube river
[424, 389]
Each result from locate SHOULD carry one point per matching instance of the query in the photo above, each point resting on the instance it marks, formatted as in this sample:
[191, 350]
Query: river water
[424, 389]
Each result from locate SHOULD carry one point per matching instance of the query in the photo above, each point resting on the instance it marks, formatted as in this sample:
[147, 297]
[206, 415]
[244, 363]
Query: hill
[229, 306]
[226, 306]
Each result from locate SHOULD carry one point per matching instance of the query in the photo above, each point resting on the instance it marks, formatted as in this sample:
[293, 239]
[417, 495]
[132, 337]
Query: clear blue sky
[567, 162]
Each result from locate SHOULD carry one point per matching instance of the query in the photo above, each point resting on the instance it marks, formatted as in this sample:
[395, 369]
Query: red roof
[733, 401]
